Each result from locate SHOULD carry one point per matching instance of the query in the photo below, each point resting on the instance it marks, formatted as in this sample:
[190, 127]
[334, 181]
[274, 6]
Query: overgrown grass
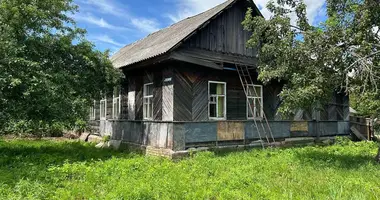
[71, 170]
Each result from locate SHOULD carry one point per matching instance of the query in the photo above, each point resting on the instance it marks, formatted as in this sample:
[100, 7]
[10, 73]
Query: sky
[112, 24]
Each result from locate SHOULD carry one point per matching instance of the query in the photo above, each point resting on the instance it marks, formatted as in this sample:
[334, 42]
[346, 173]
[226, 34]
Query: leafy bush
[25, 128]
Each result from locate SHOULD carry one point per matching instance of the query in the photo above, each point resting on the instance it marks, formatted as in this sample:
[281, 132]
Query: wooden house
[187, 86]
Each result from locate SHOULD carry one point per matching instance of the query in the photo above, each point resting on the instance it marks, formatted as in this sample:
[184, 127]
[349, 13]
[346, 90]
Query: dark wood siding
[139, 81]
[136, 81]
[191, 93]
[167, 103]
[157, 95]
[124, 99]
[225, 33]
[182, 95]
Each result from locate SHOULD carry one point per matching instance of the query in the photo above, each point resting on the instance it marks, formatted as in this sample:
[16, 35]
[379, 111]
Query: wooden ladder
[246, 82]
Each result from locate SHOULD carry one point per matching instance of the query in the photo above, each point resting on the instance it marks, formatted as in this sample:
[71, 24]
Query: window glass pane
[254, 91]
[146, 100]
[220, 89]
[102, 109]
[148, 90]
[251, 92]
[258, 91]
[217, 88]
[258, 107]
[145, 110]
[250, 107]
[213, 88]
[148, 107]
[212, 99]
[116, 110]
[220, 107]
[116, 91]
[212, 110]
[150, 110]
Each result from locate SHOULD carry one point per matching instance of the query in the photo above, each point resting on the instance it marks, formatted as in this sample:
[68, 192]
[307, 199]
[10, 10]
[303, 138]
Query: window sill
[217, 119]
[255, 118]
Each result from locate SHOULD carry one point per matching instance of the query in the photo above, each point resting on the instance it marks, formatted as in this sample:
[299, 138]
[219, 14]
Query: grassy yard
[71, 170]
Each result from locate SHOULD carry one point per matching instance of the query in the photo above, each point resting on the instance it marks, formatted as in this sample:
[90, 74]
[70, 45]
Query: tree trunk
[378, 156]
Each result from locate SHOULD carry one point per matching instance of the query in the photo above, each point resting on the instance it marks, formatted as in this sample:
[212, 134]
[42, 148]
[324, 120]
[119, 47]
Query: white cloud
[106, 39]
[88, 18]
[313, 9]
[105, 6]
[109, 7]
[145, 25]
[187, 8]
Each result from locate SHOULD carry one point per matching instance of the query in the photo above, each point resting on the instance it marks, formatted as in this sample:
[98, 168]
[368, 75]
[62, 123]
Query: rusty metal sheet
[299, 126]
[228, 131]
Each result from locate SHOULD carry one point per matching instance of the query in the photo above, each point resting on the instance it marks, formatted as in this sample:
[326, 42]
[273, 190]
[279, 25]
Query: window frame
[255, 97]
[93, 111]
[116, 99]
[150, 101]
[217, 96]
[105, 109]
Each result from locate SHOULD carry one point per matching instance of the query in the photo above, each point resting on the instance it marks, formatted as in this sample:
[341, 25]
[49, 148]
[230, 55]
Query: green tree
[49, 72]
[341, 54]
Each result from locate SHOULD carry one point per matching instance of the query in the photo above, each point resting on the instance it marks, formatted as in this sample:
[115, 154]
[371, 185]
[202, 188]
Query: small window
[148, 101]
[116, 105]
[254, 101]
[217, 100]
[93, 111]
[103, 109]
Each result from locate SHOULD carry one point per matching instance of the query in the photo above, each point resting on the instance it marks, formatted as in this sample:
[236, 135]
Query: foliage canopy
[341, 54]
[49, 72]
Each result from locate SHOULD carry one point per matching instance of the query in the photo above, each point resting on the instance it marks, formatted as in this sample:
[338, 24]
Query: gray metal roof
[166, 39]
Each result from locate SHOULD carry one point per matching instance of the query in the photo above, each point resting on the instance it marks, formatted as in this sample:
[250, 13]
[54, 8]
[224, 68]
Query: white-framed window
[255, 101]
[217, 100]
[116, 104]
[103, 109]
[148, 101]
[93, 111]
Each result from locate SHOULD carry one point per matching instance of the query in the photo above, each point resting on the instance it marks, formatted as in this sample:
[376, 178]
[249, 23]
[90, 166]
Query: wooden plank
[139, 98]
[157, 95]
[198, 53]
[200, 99]
[197, 61]
[230, 131]
[124, 99]
[182, 96]
[357, 133]
[168, 100]
[225, 33]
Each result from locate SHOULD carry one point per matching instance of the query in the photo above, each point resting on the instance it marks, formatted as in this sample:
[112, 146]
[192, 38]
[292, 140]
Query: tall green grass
[72, 170]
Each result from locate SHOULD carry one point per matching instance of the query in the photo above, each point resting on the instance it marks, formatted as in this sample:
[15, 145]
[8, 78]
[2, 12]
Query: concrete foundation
[167, 138]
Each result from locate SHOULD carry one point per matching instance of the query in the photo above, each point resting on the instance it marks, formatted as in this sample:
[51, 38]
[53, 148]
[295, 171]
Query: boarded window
[254, 101]
[148, 101]
[217, 100]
